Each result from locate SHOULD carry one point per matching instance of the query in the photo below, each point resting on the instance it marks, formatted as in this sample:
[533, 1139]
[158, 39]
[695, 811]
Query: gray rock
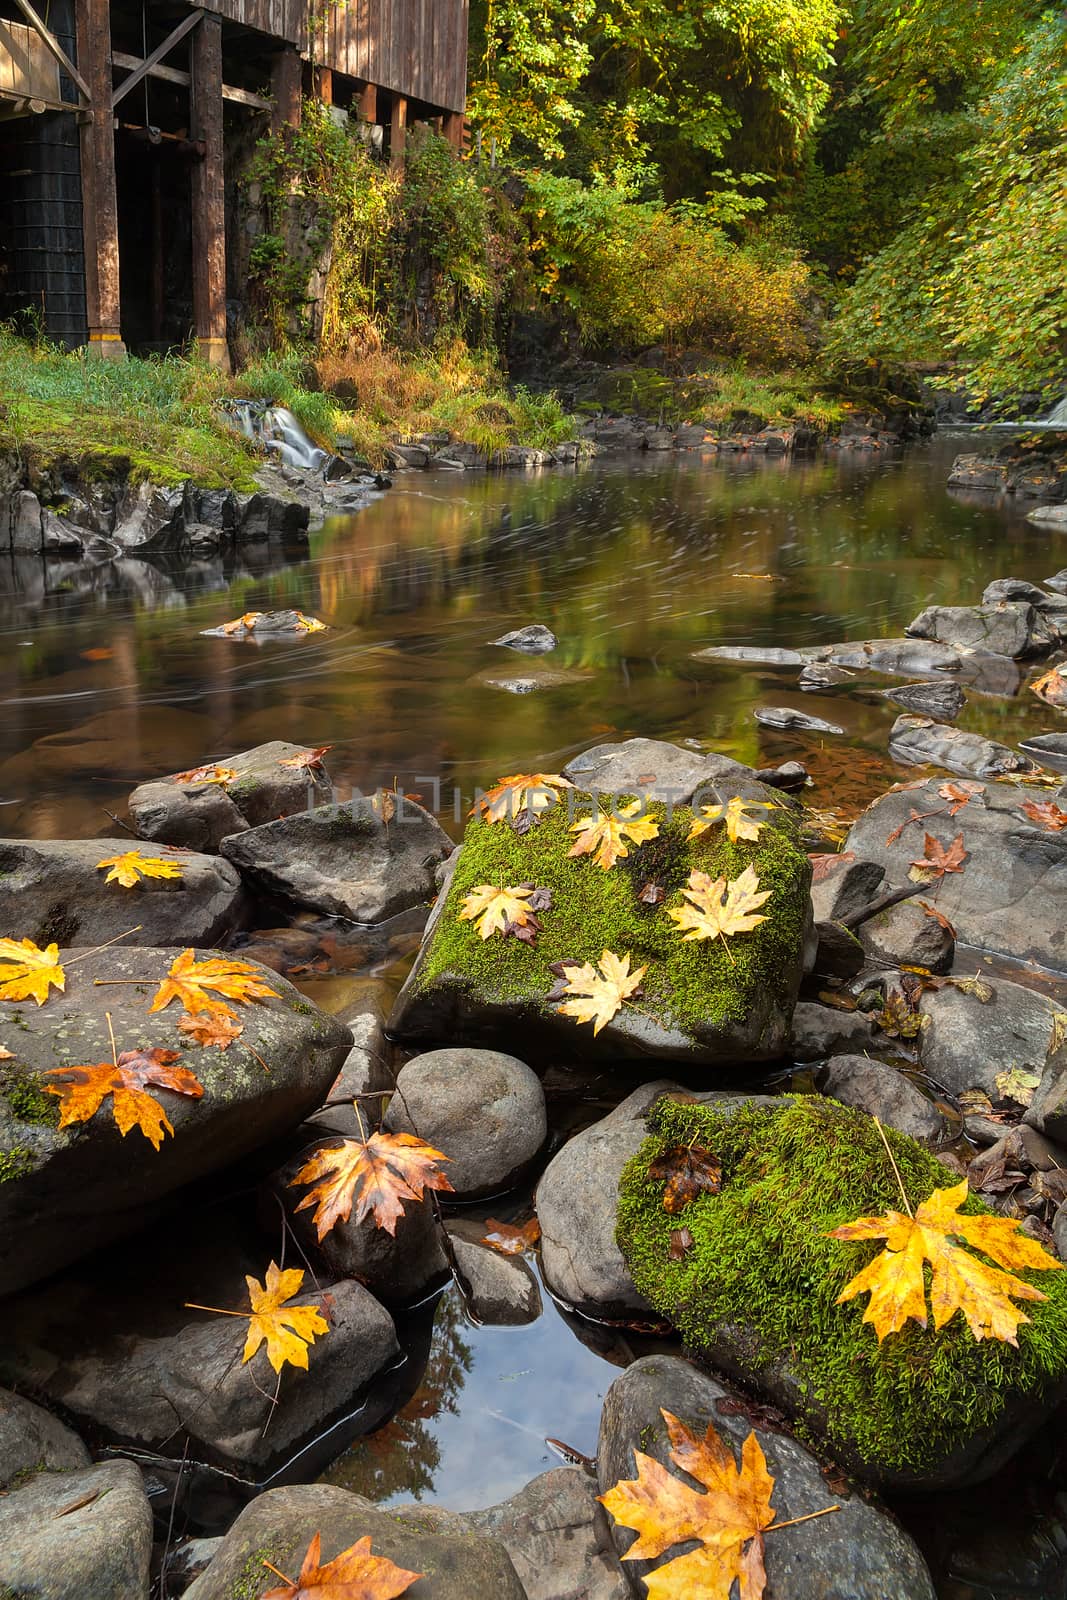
[820, 675]
[895, 657]
[68, 1192]
[906, 935]
[1047, 749]
[1011, 896]
[270, 625]
[942, 701]
[502, 1290]
[1020, 589]
[534, 640]
[753, 655]
[919, 742]
[200, 815]
[483, 1109]
[33, 1440]
[884, 1092]
[146, 1388]
[99, 1550]
[821, 1031]
[1058, 581]
[281, 1523]
[1048, 1109]
[151, 519]
[838, 953]
[51, 890]
[345, 860]
[1009, 628]
[186, 1561]
[843, 886]
[966, 1042]
[531, 680]
[857, 1553]
[794, 721]
[660, 771]
[789, 776]
[1059, 1229]
[1048, 516]
[367, 1069]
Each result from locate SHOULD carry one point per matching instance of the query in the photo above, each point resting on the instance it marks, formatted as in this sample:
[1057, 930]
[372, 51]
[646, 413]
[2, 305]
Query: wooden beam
[453, 128]
[100, 226]
[242, 97]
[56, 49]
[142, 70]
[323, 81]
[286, 81]
[368, 103]
[398, 123]
[209, 194]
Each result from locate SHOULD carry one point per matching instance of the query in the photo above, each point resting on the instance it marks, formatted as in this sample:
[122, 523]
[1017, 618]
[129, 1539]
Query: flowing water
[635, 565]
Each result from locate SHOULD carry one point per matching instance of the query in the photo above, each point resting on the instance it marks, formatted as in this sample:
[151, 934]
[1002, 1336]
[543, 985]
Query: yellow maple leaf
[26, 972]
[211, 772]
[596, 995]
[728, 1520]
[605, 834]
[129, 868]
[187, 980]
[287, 1330]
[738, 824]
[492, 909]
[532, 792]
[378, 1173]
[355, 1574]
[718, 907]
[960, 1282]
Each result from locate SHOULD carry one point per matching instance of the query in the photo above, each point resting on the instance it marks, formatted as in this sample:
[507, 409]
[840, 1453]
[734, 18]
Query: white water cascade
[274, 428]
[1057, 417]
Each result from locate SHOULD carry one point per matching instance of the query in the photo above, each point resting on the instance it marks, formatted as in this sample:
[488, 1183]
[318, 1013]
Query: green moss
[687, 981]
[254, 1578]
[761, 1258]
[26, 1098]
[17, 1162]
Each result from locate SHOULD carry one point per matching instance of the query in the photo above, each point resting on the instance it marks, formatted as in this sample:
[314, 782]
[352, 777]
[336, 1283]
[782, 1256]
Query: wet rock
[483, 1109]
[200, 815]
[32, 1440]
[534, 640]
[151, 519]
[1047, 749]
[755, 655]
[67, 1192]
[1020, 589]
[790, 777]
[285, 625]
[280, 1524]
[345, 860]
[367, 1069]
[1009, 628]
[968, 1043]
[857, 1553]
[1011, 896]
[1048, 1109]
[794, 721]
[844, 885]
[145, 1388]
[533, 679]
[905, 935]
[51, 890]
[1059, 1232]
[838, 953]
[819, 675]
[821, 1031]
[896, 657]
[918, 742]
[502, 1290]
[883, 1092]
[942, 701]
[186, 1561]
[1054, 517]
[656, 770]
[1058, 581]
[80, 1534]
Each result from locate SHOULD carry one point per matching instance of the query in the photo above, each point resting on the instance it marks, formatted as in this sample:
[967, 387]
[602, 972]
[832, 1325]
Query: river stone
[1059, 1231]
[51, 891]
[842, 886]
[756, 655]
[146, 1388]
[68, 1192]
[858, 1553]
[1011, 897]
[920, 742]
[757, 1295]
[534, 640]
[838, 953]
[345, 860]
[821, 675]
[793, 721]
[1047, 1111]
[883, 1092]
[1048, 749]
[822, 1031]
[942, 701]
[532, 679]
[1020, 589]
[716, 1007]
[501, 1290]
[966, 1043]
[201, 815]
[285, 625]
[906, 935]
[82, 1535]
[895, 657]
[1009, 628]
[656, 770]
[33, 1440]
[481, 1108]
[367, 1070]
[279, 1525]
[186, 1560]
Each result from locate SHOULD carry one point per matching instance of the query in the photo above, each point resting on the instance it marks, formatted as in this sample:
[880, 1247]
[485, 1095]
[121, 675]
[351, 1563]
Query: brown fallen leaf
[131, 866]
[1051, 687]
[681, 1244]
[207, 1028]
[823, 865]
[83, 1500]
[529, 792]
[307, 758]
[511, 1240]
[377, 1174]
[938, 859]
[652, 894]
[211, 772]
[686, 1171]
[938, 916]
[82, 1090]
[355, 1574]
[188, 981]
[1047, 814]
[27, 972]
[959, 795]
[6, 1055]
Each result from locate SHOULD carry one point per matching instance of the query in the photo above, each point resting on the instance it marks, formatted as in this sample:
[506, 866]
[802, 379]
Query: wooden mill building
[124, 122]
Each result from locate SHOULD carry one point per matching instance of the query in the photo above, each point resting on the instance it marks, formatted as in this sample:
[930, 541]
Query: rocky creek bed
[891, 1023]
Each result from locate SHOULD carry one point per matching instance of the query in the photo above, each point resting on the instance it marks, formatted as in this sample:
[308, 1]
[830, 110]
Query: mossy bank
[756, 1292]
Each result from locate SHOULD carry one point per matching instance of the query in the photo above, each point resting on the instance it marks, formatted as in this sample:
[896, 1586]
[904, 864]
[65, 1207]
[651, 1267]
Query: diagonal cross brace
[56, 49]
[155, 58]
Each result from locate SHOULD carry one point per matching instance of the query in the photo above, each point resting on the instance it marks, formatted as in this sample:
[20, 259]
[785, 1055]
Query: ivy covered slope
[720, 1001]
[756, 1292]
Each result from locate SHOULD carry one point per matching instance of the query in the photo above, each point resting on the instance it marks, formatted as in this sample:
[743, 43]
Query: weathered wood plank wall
[27, 69]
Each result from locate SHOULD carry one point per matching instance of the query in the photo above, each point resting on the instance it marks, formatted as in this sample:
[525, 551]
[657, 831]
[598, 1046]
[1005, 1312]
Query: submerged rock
[755, 655]
[530, 681]
[198, 812]
[858, 1553]
[757, 1293]
[794, 721]
[77, 1534]
[1010, 628]
[533, 640]
[920, 742]
[501, 1291]
[897, 657]
[942, 701]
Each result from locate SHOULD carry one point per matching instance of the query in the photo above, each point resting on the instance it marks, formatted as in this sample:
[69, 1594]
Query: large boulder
[278, 1527]
[656, 770]
[1011, 896]
[199, 812]
[78, 1534]
[54, 891]
[711, 1001]
[354, 860]
[65, 1192]
[856, 1553]
[972, 1036]
[757, 1292]
[33, 1440]
[1008, 628]
[921, 742]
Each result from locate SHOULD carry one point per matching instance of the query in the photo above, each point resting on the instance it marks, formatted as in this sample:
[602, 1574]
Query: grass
[719, 397]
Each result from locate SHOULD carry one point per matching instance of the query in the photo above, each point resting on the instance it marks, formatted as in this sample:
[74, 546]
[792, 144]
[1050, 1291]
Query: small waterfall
[274, 428]
[1057, 417]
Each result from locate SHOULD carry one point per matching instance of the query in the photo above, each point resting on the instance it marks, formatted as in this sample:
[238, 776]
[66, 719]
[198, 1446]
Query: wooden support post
[286, 87]
[368, 103]
[209, 194]
[398, 123]
[100, 219]
[324, 85]
[454, 128]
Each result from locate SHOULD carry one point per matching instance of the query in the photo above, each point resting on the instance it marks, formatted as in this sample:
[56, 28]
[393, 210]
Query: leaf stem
[111, 1031]
[193, 1305]
[272, 1568]
[95, 951]
[896, 1169]
[792, 1522]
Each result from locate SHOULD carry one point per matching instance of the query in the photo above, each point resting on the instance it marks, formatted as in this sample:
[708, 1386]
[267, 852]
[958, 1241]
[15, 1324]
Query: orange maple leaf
[307, 758]
[1051, 687]
[938, 859]
[187, 980]
[355, 1574]
[686, 1172]
[531, 792]
[82, 1090]
[378, 1173]
[26, 972]
[960, 1282]
[208, 1029]
[509, 1239]
[211, 772]
[1047, 814]
[607, 836]
[959, 795]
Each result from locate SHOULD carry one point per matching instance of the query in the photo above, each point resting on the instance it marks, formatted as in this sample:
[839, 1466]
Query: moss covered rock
[711, 1000]
[756, 1293]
